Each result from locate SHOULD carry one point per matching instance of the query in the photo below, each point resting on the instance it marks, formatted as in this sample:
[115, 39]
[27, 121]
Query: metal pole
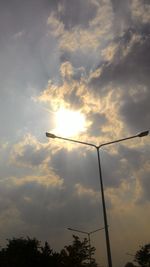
[89, 249]
[104, 212]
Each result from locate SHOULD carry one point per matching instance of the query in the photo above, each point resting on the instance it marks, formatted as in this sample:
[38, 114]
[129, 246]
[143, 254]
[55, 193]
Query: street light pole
[104, 211]
[90, 258]
[142, 134]
[89, 238]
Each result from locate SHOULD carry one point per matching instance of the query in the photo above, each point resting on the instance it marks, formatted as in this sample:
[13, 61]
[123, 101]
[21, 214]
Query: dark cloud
[116, 172]
[98, 120]
[87, 59]
[31, 156]
[75, 168]
[47, 207]
[30, 14]
[133, 156]
[136, 114]
[77, 13]
[129, 72]
[131, 69]
[122, 14]
[74, 99]
[51, 210]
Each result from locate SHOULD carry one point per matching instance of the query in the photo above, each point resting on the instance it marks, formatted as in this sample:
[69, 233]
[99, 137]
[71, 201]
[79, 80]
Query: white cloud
[77, 38]
[49, 180]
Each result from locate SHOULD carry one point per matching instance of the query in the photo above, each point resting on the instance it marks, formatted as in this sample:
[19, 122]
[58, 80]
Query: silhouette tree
[20, 252]
[28, 252]
[49, 258]
[142, 256]
[77, 254]
[129, 264]
[46, 255]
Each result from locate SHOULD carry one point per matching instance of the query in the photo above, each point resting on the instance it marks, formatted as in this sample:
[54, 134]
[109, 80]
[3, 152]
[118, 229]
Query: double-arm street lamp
[142, 134]
[89, 238]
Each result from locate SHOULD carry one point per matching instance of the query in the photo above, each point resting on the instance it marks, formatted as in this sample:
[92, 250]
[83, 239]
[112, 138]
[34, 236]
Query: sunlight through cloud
[69, 123]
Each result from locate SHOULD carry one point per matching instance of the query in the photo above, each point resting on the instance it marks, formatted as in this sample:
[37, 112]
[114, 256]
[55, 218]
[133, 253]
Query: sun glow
[69, 123]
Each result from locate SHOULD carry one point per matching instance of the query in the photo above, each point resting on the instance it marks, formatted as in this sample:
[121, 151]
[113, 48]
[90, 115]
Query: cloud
[28, 152]
[136, 113]
[18, 34]
[129, 71]
[129, 234]
[77, 42]
[101, 113]
[119, 64]
[108, 53]
[145, 184]
[80, 13]
[42, 202]
[140, 11]
[81, 191]
[50, 180]
[122, 15]
[88, 56]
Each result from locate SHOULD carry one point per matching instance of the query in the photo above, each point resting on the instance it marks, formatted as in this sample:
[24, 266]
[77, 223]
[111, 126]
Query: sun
[69, 123]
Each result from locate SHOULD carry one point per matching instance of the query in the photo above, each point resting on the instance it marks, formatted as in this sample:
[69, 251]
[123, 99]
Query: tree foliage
[129, 264]
[77, 254]
[20, 252]
[142, 256]
[28, 252]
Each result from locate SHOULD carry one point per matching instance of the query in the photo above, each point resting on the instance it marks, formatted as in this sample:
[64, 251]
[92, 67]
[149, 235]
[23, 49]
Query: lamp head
[50, 135]
[143, 133]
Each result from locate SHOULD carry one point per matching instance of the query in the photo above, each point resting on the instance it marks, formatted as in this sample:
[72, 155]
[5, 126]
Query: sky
[86, 57]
